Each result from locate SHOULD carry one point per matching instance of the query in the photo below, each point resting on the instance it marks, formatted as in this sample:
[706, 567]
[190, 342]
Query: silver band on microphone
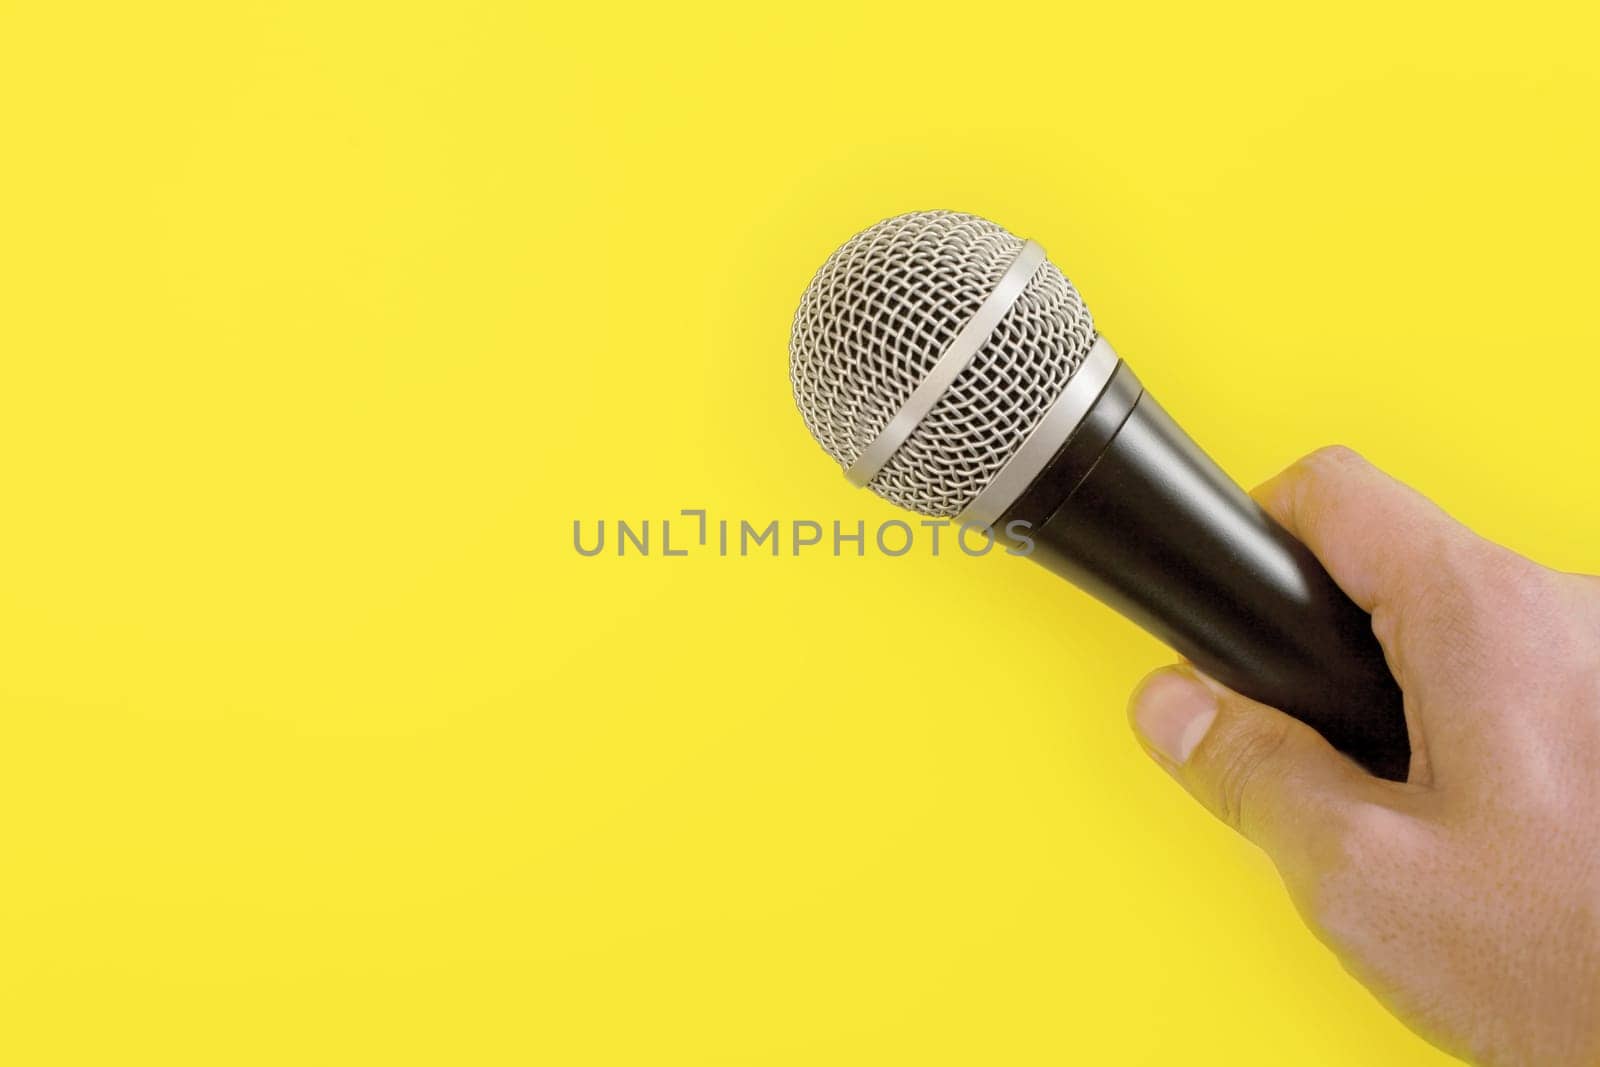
[1046, 437]
[950, 364]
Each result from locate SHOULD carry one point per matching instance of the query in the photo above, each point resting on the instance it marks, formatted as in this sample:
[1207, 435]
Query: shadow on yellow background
[320, 324]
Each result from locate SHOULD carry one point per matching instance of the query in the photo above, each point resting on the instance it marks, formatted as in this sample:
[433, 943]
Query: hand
[1468, 898]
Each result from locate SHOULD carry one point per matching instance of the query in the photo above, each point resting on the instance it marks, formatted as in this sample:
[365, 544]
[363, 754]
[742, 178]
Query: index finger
[1378, 538]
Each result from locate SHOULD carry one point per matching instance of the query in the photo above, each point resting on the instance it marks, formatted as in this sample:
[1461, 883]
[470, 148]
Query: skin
[1467, 899]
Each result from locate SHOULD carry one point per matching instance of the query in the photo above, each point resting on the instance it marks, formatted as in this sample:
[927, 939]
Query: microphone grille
[878, 315]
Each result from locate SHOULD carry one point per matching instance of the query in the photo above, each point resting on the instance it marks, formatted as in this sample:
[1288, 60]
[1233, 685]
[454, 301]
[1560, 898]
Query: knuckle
[1314, 482]
[1318, 470]
[1242, 764]
[1359, 849]
[1359, 833]
[1334, 457]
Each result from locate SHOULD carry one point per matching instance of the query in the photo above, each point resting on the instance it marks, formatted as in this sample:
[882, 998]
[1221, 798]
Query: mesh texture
[878, 315]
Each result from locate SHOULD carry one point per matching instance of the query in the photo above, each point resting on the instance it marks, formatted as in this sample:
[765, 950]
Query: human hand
[1468, 898]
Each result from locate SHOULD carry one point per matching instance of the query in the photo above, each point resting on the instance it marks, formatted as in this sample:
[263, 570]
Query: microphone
[952, 369]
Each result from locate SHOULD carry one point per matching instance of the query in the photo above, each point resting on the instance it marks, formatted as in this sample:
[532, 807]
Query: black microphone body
[1132, 511]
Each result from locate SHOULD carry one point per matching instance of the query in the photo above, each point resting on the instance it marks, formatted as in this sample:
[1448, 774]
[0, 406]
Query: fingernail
[1172, 712]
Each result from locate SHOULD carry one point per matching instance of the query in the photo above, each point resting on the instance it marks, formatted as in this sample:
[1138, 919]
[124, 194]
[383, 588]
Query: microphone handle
[1132, 511]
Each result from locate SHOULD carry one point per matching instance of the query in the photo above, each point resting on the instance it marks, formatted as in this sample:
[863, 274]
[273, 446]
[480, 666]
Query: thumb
[1270, 777]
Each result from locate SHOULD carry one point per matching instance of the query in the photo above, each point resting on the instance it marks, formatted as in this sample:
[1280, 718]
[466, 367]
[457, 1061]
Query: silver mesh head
[881, 311]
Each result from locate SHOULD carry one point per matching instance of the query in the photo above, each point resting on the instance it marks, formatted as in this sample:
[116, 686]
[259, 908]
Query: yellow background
[320, 323]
